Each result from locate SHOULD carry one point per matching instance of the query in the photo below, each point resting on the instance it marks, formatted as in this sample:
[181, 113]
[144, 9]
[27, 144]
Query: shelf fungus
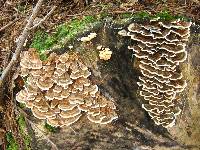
[88, 37]
[59, 91]
[160, 47]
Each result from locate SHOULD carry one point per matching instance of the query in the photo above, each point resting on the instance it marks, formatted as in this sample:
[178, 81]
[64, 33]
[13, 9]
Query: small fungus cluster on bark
[104, 53]
[160, 47]
[59, 91]
[88, 37]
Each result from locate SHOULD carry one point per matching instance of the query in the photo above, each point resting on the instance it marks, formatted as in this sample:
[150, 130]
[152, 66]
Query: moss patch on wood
[11, 142]
[22, 128]
[50, 128]
[43, 41]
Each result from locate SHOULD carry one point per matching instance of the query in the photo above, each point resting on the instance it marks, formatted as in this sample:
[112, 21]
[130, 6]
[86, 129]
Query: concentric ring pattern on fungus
[58, 90]
[160, 47]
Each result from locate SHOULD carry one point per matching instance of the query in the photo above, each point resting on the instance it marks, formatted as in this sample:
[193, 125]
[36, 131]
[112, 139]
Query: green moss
[50, 128]
[65, 32]
[21, 8]
[11, 143]
[141, 15]
[75, 26]
[22, 105]
[164, 15]
[21, 122]
[43, 41]
[22, 127]
[126, 15]
[103, 15]
[43, 56]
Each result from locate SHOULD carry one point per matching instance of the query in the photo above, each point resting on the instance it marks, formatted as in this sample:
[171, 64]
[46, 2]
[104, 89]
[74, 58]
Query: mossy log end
[117, 78]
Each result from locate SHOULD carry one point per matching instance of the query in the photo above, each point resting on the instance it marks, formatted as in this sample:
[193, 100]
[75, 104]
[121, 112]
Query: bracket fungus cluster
[58, 90]
[160, 48]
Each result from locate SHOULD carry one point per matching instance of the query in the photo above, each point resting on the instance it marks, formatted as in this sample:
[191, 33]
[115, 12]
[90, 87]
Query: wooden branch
[22, 39]
[42, 20]
[9, 24]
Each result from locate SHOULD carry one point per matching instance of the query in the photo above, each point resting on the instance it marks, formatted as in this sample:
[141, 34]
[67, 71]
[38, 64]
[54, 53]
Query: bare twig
[75, 15]
[42, 20]
[20, 42]
[9, 24]
[22, 39]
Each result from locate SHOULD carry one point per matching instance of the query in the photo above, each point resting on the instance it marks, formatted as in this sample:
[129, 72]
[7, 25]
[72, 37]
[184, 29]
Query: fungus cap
[105, 54]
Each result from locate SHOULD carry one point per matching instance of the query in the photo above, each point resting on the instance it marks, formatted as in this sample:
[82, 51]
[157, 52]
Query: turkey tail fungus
[160, 48]
[58, 90]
